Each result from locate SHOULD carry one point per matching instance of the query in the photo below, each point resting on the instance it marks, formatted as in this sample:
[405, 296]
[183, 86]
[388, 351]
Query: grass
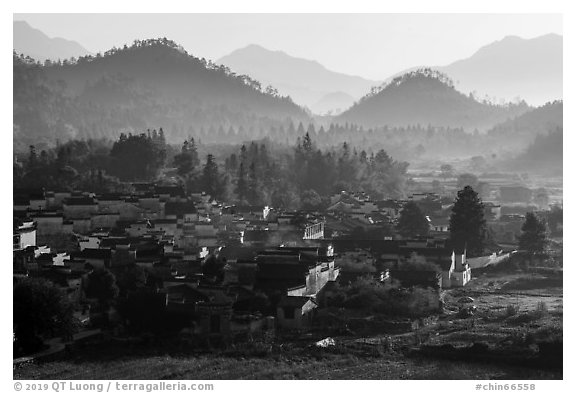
[329, 367]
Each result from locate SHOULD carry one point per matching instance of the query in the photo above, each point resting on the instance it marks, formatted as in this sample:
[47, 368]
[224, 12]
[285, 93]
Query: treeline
[299, 176]
[94, 165]
[407, 143]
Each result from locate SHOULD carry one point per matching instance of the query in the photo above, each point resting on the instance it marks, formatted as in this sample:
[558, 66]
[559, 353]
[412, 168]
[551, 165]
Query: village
[163, 261]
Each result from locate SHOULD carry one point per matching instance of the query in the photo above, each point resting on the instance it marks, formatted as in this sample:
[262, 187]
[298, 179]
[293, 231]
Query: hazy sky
[370, 45]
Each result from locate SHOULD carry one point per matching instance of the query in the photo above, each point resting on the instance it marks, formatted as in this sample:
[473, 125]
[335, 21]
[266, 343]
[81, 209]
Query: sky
[373, 46]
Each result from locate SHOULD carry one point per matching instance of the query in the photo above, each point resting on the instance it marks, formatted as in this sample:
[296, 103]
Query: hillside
[537, 121]
[426, 97]
[544, 156]
[306, 81]
[153, 83]
[34, 43]
[509, 69]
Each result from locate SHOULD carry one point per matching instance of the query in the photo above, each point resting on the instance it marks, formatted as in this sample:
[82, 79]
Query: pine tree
[467, 223]
[307, 144]
[533, 238]
[412, 221]
[253, 186]
[32, 158]
[241, 185]
[210, 178]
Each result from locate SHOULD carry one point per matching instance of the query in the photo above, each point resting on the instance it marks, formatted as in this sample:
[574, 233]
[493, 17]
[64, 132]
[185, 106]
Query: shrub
[511, 310]
[368, 294]
[541, 308]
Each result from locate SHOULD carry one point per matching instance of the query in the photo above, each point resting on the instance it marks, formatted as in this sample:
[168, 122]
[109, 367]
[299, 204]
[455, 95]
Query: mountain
[153, 83]
[306, 81]
[426, 97]
[513, 67]
[34, 43]
[510, 69]
[516, 134]
[539, 120]
[543, 156]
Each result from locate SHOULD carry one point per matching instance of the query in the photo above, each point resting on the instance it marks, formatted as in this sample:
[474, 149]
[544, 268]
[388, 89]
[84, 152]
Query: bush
[541, 308]
[511, 310]
[40, 311]
[369, 295]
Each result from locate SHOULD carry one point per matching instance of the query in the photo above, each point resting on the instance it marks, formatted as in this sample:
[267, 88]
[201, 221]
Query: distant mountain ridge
[426, 97]
[34, 43]
[306, 81]
[510, 69]
[153, 83]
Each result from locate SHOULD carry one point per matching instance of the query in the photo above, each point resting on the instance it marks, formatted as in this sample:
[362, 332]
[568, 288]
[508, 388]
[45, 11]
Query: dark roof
[231, 252]
[186, 293]
[179, 208]
[30, 193]
[111, 197]
[94, 253]
[170, 190]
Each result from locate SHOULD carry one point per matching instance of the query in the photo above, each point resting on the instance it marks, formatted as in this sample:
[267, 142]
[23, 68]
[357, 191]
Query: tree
[183, 161]
[311, 200]
[101, 285]
[412, 221]
[210, 177]
[254, 186]
[533, 238]
[137, 157]
[40, 311]
[446, 171]
[467, 223]
[241, 185]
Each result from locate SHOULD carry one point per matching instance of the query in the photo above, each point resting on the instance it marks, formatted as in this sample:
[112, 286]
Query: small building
[295, 312]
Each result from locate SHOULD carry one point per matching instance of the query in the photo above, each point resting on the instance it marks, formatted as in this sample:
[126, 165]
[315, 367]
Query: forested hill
[540, 120]
[153, 83]
[544, 156]
[427, 97]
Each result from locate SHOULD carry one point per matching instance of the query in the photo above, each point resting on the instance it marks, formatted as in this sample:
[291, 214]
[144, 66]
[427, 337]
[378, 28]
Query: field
[514, 314]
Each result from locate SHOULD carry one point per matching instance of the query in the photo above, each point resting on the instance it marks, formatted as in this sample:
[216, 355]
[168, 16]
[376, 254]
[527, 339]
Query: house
[390, 206]
[295, 312]
[104, 220]
[170, 193]
[439, 224]
[295, 270]
[48, 223]
[30, 198]
[23, 234]
[184, 212]
[214, 315]
[95, 257]
[79, 207]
